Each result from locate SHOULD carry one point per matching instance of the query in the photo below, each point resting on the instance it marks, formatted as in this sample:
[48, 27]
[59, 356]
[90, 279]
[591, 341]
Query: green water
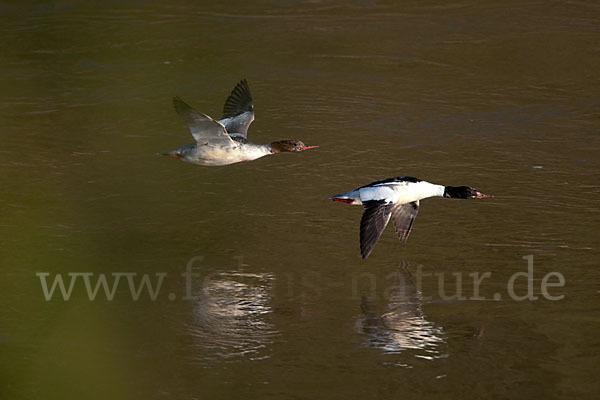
[501, 97]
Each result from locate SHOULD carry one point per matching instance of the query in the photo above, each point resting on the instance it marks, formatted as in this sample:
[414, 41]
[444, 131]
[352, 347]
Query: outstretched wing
[403, 216]
[205, 130]
[238, 111]
[392, 180]
[374, 220]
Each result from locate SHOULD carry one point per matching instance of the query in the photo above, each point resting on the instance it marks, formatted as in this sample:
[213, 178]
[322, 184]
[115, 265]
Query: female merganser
[396, 198]
[225, 141]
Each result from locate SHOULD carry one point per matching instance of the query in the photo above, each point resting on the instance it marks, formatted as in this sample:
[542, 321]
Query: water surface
[501, 97]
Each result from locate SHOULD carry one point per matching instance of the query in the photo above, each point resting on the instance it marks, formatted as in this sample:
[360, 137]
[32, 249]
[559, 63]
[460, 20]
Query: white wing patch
[385, 192]
[401, 192]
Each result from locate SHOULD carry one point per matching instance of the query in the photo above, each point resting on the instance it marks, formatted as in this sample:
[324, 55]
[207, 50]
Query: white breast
[224, 155]
[401, 192]
[380, 192]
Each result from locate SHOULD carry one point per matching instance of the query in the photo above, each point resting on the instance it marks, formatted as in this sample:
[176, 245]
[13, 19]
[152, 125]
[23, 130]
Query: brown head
[281, 146]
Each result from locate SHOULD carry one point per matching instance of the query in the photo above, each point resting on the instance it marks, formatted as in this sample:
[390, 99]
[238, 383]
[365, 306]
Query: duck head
[281, 146]
[463, 192]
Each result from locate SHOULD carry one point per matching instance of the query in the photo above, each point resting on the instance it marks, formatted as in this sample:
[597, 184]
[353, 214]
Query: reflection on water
[231, 315]
[404, 325]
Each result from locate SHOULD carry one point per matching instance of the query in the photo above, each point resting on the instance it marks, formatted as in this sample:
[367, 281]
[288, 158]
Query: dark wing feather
[403, 216]
[239, 101]
[238, 111]
[395, 179]
[374, 220]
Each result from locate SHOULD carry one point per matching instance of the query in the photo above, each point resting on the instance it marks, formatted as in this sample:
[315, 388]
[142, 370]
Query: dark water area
[263, 293]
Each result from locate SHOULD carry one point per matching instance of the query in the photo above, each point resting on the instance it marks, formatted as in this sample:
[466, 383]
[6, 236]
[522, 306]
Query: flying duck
[397, 199]
[226, 141]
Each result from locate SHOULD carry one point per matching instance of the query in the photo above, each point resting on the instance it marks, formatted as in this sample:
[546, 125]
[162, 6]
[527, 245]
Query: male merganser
[396, 198]
[225, 141]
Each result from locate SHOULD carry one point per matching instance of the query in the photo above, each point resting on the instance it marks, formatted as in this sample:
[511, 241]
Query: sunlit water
[276, 301]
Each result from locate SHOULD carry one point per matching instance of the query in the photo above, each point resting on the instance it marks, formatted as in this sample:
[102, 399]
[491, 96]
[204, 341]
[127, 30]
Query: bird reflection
[231, 314]
[403, 326]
